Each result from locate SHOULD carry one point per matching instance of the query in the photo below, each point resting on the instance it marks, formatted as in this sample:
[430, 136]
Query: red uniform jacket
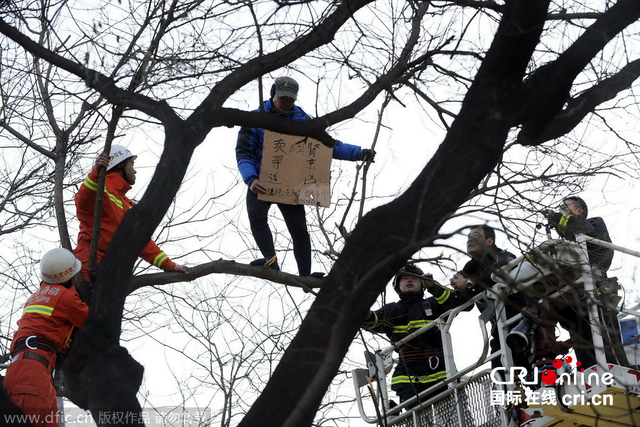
[116, 204]
[51, 313]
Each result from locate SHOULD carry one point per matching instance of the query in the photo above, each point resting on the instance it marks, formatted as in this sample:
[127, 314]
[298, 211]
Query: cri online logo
[549, 377]
[501, 375]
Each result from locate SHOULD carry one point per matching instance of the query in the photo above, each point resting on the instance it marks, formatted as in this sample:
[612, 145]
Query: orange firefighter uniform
[48, 319]
[116, 204]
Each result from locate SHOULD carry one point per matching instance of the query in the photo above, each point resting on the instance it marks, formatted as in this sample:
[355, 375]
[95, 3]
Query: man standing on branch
[44, 331]
[121, 175]
[284, 93]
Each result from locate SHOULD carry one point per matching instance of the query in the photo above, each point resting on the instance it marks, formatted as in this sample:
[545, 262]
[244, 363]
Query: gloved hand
[368, 154]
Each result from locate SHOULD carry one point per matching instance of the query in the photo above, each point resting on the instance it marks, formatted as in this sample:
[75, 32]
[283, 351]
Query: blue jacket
[250, 140]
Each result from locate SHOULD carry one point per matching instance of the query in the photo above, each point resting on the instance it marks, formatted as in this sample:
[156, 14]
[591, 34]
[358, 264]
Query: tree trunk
[388, 235]
[101, 375]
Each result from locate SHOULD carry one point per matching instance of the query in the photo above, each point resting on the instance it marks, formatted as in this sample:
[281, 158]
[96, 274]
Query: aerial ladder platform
[559, 394]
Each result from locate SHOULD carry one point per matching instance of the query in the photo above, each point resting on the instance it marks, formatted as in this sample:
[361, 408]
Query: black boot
[267, 262]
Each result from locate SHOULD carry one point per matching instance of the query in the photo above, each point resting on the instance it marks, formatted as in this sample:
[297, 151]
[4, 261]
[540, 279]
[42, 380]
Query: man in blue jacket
[284, 93]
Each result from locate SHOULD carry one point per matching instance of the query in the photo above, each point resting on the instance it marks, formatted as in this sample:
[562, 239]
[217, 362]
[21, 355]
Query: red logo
[550, 377]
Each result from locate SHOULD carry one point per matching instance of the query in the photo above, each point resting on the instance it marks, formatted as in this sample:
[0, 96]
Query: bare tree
[513, 90]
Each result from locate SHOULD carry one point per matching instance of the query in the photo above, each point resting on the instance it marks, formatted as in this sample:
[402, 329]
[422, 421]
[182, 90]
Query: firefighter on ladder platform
[572, 312]
[44, 331]
[421, 361]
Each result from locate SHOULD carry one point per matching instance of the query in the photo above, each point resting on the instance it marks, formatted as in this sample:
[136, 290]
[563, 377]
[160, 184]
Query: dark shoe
[267, 262]
[316, 274]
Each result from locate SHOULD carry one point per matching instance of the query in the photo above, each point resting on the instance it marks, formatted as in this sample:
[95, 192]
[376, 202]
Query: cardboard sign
[296, 170]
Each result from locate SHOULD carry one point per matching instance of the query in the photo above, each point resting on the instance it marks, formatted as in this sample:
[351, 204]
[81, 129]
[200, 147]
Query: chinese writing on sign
[295, 170]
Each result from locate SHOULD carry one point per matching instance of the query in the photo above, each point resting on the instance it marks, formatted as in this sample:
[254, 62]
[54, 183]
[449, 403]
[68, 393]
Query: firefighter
[284, 93]
[421, 360]
[486, 258]
[570, 220]
[121, 175]
[48, 318]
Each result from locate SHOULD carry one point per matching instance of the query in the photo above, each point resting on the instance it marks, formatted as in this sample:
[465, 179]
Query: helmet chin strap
[421, 290]
[119, 169]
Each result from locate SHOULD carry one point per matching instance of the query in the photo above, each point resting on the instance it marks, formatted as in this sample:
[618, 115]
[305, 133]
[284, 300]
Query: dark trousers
[418, 367]
[514, 304]
[410, 390]
[574, 318]
[294, 217]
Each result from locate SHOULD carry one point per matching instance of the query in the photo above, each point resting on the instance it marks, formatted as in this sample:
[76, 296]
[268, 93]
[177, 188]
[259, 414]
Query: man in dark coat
[572, 219]
[569, 221]
[486, 258]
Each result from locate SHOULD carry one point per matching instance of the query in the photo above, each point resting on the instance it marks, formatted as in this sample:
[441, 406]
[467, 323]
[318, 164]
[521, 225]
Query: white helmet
[59, 266]
[119, 153]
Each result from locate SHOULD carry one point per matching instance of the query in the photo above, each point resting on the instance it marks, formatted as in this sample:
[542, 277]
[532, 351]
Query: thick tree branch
[93, 79]
[548, 88]
[224, 267]
[577, 108]
[319, 36]
[480, 4]
[492, 5]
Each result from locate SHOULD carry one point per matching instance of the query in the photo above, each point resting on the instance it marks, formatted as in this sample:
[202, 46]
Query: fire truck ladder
[465, 398]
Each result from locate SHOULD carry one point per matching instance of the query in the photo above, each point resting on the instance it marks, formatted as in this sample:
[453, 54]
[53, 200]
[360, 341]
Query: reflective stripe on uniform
[442, 298]
[45, 310]
[375, 319]
[414, 324]
[114, 199]
[157, 261]
[93, 186]
[564, 220]
[422, 379]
